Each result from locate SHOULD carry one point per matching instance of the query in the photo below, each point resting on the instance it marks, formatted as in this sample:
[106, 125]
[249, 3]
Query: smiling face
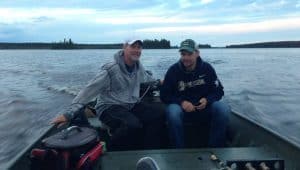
[188, 59]
[132, 53]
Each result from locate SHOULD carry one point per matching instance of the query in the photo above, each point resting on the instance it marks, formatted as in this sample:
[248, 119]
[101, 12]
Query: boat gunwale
[25, 150]
[268, 130]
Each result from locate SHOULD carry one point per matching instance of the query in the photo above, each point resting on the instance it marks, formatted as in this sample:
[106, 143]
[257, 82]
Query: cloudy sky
[216, 22]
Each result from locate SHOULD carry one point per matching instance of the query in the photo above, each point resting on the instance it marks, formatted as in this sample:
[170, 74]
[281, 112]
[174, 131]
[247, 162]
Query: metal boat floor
[182, 159]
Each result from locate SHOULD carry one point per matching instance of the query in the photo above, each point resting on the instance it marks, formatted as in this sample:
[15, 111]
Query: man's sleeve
[168, 91]
[216, 87]
[89, 93]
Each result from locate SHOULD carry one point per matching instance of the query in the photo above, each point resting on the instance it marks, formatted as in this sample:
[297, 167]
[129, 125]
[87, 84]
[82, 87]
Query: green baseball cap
[188, 45]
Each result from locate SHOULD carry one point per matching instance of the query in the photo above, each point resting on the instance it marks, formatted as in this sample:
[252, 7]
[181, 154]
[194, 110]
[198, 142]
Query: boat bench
[196, 135]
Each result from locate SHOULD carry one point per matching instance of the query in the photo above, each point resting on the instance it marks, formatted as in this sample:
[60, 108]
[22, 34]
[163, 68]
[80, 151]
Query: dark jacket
[180, 85]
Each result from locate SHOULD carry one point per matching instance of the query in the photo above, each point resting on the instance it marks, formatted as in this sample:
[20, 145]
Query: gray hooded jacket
[113, 85]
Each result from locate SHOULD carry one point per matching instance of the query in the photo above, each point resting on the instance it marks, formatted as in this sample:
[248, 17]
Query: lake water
[35, 85]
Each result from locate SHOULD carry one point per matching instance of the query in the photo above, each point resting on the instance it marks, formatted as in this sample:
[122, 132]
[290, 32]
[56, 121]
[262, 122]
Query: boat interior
[249, 146]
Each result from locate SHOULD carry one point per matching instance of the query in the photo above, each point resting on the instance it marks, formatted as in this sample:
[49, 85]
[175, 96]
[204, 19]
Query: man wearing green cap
[191, 89]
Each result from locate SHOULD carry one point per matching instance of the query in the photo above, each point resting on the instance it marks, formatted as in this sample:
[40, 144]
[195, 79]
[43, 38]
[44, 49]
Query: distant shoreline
[274, 44]
[73, 46]
[70, 45]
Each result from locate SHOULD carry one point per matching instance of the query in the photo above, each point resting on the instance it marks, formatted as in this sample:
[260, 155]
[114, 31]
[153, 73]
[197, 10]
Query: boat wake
[66, 90]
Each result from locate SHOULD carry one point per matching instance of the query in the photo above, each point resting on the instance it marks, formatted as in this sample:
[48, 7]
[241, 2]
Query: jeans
[217, 113]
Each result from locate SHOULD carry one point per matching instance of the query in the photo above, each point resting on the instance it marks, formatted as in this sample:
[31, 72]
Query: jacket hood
[119, 58]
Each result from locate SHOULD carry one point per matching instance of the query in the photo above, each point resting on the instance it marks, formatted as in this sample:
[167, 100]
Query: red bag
[74, 147]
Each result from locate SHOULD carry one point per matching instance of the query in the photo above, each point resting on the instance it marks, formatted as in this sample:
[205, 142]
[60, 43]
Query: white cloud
[163, 20]
[110, 17]
[263, 6]
[262, 26]
[254, 7]
[185, 3]
[23, 15]
[206, 1]
[282, 2]
[145, 20]
[155, 14]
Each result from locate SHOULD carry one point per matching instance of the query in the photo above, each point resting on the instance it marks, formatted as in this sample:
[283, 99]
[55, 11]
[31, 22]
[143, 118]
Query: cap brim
[186, 49]
[135, 41]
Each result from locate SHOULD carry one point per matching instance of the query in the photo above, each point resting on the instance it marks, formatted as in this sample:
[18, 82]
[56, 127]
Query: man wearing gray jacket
[117, 91]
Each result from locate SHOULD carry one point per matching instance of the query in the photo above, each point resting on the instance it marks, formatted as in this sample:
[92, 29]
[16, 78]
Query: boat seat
[196, 134]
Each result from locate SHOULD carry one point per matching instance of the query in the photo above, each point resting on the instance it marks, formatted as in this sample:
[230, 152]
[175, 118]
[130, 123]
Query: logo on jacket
[201, 76]
[184, 85]
[181, 86]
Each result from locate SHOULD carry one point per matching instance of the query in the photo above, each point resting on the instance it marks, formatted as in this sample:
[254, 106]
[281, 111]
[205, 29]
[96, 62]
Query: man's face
[133, 51]
[188, 59]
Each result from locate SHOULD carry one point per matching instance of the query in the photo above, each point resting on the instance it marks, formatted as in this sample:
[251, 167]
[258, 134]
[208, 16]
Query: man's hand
[59, 121]
[203, 103]
[187, 106]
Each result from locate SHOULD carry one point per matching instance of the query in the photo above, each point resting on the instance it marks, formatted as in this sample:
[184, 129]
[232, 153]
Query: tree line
[276, 44]
[156, 44]
[147, 44]
[69, 44]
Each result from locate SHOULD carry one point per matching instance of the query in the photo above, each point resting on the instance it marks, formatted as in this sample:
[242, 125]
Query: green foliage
[156, 44]
[64, 45]
[69, 44]
[204, 46]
